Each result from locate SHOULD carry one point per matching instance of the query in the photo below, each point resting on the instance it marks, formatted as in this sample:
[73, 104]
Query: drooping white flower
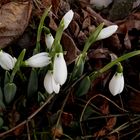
[107, 32]
[49, 40]
[50, 84]
[116, 84]
[38, 60]
[68, 18]
[60, 69]
[7, 62]
[100, 3]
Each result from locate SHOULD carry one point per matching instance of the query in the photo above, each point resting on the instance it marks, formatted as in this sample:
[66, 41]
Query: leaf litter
[105, 113]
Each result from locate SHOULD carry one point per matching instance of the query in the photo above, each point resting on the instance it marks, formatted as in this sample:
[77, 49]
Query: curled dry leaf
[14, 18]
[70, 47]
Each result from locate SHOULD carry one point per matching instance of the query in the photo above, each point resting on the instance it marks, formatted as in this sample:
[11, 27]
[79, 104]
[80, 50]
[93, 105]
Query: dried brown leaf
[75, 29]
[70, 47]
[127, 41]
[55, 6]
[105, 108]
[14, 18]
[99, 53]
[111, 123]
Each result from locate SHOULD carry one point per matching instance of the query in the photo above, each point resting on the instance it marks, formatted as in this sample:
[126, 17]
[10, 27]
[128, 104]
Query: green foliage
[83, 87]
[33, 83]
[9, 92]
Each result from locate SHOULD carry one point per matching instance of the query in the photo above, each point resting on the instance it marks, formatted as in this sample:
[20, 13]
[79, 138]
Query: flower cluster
[57, 75]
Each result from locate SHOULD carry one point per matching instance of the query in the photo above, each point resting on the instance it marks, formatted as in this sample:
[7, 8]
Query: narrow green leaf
[33, 83]
[2, 105]
[17, 65]
[1, 122]
[7, 77]
[83, 87]
[78, 67]
[92, 38]
[9, 92]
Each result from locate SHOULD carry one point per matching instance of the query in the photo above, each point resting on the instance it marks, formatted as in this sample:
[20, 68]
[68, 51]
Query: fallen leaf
[70, 48]
[98, 53]
[14, 18]
[66, 118]
[105, 108]
[75, 28]
[55, 6]
[127, 41]
[110, 123]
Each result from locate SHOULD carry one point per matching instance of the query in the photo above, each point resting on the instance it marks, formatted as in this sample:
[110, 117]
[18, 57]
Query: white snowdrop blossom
[38, 60]
[107, 32]
[68, 18]
[49, 40]
[116, 84]
[60, 69]
[7, 62]
[50, 84]
[100, 3]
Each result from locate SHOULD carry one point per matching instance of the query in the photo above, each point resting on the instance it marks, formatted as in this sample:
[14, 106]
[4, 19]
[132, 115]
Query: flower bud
[50, 84]
[116, 84]
[7, 62]
[107, 32]
[49, 40]
[68, 18]
[60, 69]
[38, 60]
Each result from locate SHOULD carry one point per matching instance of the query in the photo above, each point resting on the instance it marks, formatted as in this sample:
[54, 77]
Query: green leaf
[92, 38]
[9, 92]
[7, 77]
[78, 67]
[17, 65]
[83, 87]
[1, 122]
[33, 83]
[2, 105]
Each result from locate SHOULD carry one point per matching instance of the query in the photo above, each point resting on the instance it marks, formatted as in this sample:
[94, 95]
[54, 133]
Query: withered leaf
[111, 123]
[14, 18]
[70, 47]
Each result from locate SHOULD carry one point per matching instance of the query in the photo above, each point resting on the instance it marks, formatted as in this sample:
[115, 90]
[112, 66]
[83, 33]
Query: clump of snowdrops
[53, 59]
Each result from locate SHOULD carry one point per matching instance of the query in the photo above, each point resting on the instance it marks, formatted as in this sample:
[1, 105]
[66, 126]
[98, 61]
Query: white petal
[60, 69]
[116, 84]
[100, 3]
[56, 86]
[38, 60]
[50, 84]
[68, 18]
[107, 32]
[7, 62]
[49, 40]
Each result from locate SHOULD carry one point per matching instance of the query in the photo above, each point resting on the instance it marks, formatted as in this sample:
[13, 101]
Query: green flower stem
[17, 65]
[95, 74]
[56, 43]
[92, 38]
[119, 68]
[47, 30]
[39, 31]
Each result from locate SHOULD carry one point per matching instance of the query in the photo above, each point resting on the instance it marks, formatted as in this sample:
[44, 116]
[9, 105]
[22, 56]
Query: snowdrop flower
[50, 84]
[7, 62]
[49, 40]
[100, 3]
[68, 18]
[116, 84]
[107, 32]
[60, 69]
[38, 60]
